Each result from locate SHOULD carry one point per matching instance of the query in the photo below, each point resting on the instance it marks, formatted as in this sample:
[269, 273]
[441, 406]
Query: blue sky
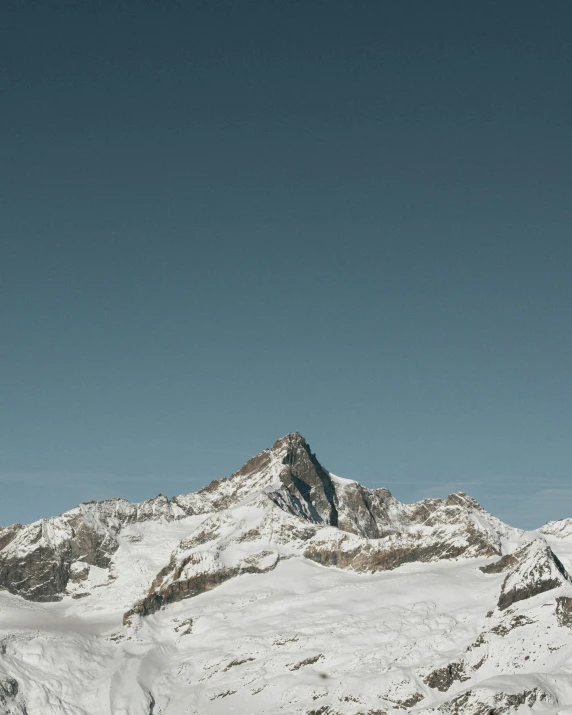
[220, 222]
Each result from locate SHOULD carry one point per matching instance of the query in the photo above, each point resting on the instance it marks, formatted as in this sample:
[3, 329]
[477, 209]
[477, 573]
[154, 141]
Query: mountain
[284, 589]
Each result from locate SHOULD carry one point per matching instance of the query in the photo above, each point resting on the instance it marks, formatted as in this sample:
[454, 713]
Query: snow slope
[284, 589]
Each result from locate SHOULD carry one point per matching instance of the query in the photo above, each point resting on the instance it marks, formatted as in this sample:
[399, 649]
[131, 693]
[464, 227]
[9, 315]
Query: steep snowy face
[532, 569]
[561, 529]
[288, 469]
[251, 538]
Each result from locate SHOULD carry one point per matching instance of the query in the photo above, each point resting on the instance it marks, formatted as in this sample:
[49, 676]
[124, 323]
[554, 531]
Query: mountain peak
[290, 440]
[283, 450]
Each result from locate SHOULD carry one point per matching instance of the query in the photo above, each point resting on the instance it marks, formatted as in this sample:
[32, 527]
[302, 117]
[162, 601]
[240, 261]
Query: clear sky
[222, 221]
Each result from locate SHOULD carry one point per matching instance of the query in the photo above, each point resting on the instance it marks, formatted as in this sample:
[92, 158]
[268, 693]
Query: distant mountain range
[284, 589]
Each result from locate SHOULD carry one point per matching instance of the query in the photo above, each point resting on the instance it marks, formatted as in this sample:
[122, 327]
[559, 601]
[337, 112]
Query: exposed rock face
[443, 678]
[484, 701]
[180, 588]
[564, 611]
[503, 628]
[503, 564]
[309, 488]
[533, 569]
[288, 470]
[389, 553]
[8, 689]
[10, 702]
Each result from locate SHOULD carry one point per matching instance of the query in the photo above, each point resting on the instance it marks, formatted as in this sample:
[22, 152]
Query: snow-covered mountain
[284, 589]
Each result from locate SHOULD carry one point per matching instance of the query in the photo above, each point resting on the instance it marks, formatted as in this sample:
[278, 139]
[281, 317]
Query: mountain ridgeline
[310, 512]
[436, 608]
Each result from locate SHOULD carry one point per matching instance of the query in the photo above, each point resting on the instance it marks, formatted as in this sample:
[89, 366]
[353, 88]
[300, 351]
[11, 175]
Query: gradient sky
[224, 221]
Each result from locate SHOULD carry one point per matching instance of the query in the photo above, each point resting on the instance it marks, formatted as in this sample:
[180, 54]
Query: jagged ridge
[348, 526]
[372, 530]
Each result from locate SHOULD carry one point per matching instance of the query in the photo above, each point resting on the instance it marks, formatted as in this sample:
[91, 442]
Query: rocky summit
[284, 589]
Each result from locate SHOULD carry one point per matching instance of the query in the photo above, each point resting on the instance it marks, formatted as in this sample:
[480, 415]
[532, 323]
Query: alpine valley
[284, 589]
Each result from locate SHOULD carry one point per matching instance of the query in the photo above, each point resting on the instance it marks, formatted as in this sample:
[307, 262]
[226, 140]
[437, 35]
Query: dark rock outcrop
[503, 564]
[308, 489]
[478, 701]
[11, 700]
[442, 678]
[534, 569]
[8, 689]
[564, 611]
[180, 587]
[36, 560]
[391, 552]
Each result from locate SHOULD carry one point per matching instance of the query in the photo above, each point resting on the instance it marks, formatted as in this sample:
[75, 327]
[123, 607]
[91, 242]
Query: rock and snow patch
[341, 480]
[532, 569]
[561, 529]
